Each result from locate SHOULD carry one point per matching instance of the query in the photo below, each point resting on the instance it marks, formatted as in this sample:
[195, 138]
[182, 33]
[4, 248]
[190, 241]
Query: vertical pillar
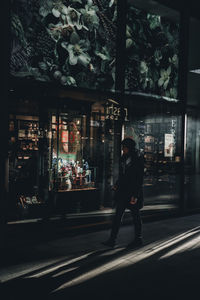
[121, 45]
[183, 76]
[113, 128]
[43, 152]
[4, 57]
[120, 72]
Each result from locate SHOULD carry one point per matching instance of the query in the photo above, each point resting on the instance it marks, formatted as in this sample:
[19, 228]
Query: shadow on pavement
[153, 271]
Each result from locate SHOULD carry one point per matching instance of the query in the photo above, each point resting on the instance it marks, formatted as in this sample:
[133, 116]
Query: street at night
[79, 266]
[100, 150]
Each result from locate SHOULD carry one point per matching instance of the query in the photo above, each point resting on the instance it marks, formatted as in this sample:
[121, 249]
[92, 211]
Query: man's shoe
[137, 242]
[109, 243]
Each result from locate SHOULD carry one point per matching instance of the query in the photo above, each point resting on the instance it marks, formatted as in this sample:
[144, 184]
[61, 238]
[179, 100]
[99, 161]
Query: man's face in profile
[125, 150]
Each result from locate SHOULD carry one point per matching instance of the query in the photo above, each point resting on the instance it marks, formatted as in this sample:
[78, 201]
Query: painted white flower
[69, 15]
[89, 15]
[77, 54]
[54, 30]
[72, 17]
[165, 77]
[104, 54]
[77, 50]
[174, 60]
[68, 80]
[143, 67]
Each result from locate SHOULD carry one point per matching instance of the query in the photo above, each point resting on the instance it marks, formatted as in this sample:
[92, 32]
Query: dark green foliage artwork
[71, 42]
[152, 54]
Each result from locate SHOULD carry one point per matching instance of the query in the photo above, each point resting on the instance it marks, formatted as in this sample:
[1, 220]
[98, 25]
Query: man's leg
[115, 225]
[137, 221]
[117, 221]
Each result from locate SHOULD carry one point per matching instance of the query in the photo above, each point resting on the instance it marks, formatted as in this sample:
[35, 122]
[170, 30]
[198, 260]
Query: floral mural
[71, 42]
[152, 54]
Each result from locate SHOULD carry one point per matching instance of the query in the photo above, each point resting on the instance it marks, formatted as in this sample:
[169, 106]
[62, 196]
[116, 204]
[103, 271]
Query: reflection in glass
[192, 160]
[70, 158]
[158, 139]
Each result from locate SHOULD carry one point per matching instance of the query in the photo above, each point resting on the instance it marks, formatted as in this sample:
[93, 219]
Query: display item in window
[74, 174]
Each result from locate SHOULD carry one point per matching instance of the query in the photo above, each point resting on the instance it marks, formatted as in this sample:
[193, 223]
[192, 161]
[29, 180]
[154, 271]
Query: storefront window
[85, 151]
[152, 43]
[64, 158]
[157, 135]
[192, 159]
[24, 166]
[70, 156]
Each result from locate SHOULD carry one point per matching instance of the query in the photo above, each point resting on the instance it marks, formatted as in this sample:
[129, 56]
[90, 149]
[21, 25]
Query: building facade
[82, 76]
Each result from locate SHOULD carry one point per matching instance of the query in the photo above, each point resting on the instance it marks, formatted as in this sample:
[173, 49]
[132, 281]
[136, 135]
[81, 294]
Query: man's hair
[129, 143]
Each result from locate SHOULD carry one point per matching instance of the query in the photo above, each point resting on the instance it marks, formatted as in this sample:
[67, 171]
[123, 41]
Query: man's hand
[133, 200]
[114, 187]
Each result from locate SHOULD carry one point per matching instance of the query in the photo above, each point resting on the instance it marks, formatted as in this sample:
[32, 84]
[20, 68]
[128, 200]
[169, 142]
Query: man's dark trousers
[135, 212]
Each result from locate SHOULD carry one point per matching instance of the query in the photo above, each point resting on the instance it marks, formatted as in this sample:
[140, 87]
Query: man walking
[128, 192]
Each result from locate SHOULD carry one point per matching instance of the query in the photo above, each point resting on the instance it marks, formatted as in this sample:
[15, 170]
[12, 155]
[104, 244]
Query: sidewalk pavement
[77, 267]
[47, 228]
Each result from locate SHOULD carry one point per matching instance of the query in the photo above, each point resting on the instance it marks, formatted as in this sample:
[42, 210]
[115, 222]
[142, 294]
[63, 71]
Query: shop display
[75, 175]
[69, 148]
[65, 155]
[24, 134]
[23, 161]
[28, 136]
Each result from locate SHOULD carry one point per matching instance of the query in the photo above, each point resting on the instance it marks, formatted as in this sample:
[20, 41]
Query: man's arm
[138, 181]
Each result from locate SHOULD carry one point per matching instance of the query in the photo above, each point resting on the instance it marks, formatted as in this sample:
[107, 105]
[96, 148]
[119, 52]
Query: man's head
[128, 146]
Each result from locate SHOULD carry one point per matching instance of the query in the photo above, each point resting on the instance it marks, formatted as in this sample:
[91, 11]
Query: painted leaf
[56, 13]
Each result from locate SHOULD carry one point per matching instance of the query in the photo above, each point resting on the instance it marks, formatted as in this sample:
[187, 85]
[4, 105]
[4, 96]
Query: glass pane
[105, 146]
[71, 43]
[24, 166]
[157, 135]
[70, 160]
[152, 42]
[192, 160]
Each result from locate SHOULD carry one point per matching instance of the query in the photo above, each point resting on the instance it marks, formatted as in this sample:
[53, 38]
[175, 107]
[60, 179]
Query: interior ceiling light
[197, 71]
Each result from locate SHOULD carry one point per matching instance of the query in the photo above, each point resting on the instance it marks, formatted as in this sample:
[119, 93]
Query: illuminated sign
[113, 111]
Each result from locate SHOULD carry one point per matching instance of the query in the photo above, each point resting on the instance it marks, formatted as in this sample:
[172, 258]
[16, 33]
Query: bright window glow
[197, 71]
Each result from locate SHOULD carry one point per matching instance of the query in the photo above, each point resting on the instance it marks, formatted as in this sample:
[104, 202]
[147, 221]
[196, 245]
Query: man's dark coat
[130, 181]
